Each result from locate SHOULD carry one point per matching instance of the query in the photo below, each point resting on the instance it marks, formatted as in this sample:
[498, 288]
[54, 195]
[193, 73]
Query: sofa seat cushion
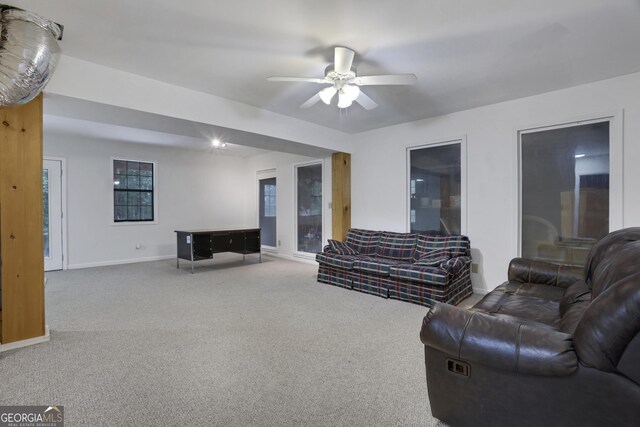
[397, 246]
[420, 274]
[336, 260]
[433, 261]
[365, 242]
[527, 301]
[376, 265]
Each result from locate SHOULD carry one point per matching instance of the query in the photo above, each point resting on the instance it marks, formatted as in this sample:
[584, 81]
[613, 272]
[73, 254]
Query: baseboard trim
[119, 262]
[481, 291]
[25, 343]
[164, 257]
[291, 257]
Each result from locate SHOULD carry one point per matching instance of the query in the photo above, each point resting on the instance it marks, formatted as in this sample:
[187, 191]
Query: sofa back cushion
[397, 246]
[365, 242]
[432, 245]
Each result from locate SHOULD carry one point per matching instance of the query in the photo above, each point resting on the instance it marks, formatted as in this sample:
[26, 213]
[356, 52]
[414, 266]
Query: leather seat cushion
[527, 301]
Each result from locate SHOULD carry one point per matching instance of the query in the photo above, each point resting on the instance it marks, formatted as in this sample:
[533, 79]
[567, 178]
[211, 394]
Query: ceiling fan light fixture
[344, 100]
[351, 92]
[327, 94]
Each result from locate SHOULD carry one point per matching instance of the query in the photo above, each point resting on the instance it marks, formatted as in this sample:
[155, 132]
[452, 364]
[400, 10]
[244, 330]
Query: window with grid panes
[133, 191]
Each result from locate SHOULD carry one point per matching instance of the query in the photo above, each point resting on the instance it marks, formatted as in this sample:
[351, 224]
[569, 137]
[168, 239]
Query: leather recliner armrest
[545, 273]
[503, 344]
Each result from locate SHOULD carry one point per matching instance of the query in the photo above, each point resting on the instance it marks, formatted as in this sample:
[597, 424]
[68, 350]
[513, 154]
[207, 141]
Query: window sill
[134, 223]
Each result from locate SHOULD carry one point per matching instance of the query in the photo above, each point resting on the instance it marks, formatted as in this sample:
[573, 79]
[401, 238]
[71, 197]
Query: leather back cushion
[623, 263]
[573, 304]
[609, 324]
[607, 248]
[365, 242]
[455, 245]
[397, 246]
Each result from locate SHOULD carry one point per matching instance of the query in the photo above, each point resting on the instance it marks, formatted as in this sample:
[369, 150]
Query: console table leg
[178, 263]
[191, 240]
[260, 257]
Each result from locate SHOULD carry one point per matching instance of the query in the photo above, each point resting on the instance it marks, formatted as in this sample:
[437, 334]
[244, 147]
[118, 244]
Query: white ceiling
[465, 53]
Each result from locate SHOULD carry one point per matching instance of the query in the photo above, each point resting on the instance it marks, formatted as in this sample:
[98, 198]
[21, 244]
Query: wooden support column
[21, 241]
[341, 194]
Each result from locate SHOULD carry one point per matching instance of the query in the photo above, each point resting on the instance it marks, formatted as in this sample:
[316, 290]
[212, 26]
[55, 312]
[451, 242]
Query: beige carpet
[235, 344]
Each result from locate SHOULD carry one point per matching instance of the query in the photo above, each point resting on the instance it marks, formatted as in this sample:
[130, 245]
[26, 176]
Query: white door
[52, 213]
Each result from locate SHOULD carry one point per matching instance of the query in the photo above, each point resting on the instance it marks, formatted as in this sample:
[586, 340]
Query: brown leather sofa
[552, 346]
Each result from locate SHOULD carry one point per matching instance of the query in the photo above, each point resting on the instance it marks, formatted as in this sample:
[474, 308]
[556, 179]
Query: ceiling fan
[346, 83]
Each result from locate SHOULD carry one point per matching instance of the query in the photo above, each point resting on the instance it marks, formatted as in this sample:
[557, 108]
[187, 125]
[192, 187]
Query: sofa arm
[500, 343]
[545, 273]
[455, 265]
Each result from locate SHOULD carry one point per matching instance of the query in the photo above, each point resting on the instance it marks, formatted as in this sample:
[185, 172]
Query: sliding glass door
[309, 208]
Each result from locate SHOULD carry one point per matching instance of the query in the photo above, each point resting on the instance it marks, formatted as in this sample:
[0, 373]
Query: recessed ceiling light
[577, 156]
[216, 142]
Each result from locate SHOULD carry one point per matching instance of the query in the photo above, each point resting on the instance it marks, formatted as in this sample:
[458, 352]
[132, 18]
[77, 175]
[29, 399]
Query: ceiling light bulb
[216, 142]
[344, 100]
[577, 156]
[327, 94]
[223, 145]
[351, 91]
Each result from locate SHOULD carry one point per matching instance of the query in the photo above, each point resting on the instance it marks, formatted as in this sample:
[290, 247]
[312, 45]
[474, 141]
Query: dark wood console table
[196, 245]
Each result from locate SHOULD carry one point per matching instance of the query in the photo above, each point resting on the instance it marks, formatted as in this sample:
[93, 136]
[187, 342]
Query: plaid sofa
[418, 268]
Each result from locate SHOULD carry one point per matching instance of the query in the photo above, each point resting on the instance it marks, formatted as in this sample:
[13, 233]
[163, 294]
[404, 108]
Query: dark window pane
[146, 198]
[146, 212]
[565, 192]
[133, 182]
[119, 167]
[133, 213]
[120, 197]
[133, 168]
[120, 181]
[435, 189]
[146, 183]
[134, 198]
[146, 169]
[120, 213]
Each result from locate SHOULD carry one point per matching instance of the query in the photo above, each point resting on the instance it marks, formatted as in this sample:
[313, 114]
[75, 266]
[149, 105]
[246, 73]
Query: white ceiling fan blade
[390, 79]
[366, 102]
[343, 60]
[297, 79]
[311, 101]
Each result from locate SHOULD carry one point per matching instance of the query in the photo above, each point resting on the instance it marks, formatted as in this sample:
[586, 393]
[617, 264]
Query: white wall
[194, 190]
[285, 198]
[379, 165]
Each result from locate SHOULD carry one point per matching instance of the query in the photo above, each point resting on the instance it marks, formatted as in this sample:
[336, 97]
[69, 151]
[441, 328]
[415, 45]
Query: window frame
[462, 140]
[154, 192]
[260, 175]
[616, 172]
